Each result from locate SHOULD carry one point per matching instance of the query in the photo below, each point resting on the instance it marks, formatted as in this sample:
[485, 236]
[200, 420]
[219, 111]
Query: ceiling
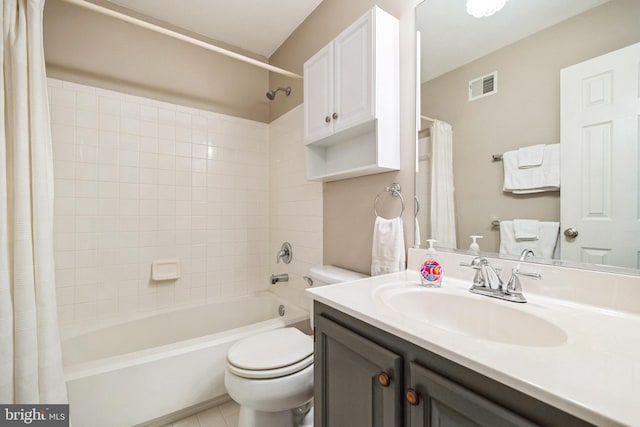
[258, 26]
[451, 38]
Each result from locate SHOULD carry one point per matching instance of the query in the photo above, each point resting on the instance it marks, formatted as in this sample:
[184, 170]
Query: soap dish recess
[167, 269]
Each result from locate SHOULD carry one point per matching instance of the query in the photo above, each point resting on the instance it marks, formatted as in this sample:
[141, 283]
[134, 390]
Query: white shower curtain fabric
[443, 219]
[30, 355]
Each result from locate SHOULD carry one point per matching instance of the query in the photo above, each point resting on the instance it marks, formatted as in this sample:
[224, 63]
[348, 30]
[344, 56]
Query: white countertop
[594, 374]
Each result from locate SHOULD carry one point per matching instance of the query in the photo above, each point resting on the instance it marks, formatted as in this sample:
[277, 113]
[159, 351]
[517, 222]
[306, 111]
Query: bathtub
[124, 373]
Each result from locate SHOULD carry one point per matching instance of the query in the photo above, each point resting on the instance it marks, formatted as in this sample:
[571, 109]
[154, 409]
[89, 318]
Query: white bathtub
[127, 373]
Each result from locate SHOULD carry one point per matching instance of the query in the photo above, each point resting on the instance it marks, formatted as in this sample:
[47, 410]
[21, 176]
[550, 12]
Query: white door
[354, 74]
[600, 117]
[318, 95]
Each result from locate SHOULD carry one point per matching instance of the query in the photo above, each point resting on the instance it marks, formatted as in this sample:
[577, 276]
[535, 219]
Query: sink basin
[478, 317]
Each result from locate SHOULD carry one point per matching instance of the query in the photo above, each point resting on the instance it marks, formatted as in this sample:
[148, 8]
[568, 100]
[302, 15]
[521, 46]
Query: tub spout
[275, 278]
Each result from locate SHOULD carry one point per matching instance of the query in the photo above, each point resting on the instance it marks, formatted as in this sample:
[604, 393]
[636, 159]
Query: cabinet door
[350, 380]
[318, 95]
[443, 403]
[354, 74]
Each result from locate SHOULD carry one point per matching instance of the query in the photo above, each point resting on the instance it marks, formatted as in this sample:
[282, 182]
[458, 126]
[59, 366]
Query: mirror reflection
[506, 93]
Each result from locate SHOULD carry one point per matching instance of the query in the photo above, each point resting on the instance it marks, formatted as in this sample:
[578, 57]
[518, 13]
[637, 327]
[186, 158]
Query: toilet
[270, 374]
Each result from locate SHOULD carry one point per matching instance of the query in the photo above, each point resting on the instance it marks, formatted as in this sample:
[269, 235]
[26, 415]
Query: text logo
[34, 415]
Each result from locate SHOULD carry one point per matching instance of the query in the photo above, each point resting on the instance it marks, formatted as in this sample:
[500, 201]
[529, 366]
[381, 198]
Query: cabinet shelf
[348, 155]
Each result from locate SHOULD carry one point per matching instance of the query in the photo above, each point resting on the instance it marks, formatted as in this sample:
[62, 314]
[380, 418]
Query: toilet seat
[271, 373]
[271, 354]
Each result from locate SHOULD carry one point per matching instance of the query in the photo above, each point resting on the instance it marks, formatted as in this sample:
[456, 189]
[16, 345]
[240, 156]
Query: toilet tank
[330, 274]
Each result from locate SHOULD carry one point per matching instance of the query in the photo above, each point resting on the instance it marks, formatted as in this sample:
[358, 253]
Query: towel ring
[394, 189]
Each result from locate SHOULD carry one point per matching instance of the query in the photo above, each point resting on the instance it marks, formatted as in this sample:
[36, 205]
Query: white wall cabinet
[351, 95]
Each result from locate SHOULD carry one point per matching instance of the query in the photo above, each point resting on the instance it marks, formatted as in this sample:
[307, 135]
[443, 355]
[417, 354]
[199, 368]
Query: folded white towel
[531, 156]
[387, 254]
[525, 229]
[534, 179]
[543, 247]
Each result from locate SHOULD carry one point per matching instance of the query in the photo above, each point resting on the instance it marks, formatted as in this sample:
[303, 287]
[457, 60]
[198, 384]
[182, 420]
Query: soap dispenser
[474, 246]
[431, 271]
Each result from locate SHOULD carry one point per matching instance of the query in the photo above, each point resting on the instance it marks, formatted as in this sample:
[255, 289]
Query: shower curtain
[30, 356]
[443, 217]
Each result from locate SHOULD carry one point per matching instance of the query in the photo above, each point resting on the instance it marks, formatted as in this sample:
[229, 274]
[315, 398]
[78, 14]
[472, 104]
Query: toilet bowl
[270, 374]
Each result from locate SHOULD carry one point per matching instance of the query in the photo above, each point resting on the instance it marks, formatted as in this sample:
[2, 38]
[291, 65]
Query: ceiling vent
[483, 86]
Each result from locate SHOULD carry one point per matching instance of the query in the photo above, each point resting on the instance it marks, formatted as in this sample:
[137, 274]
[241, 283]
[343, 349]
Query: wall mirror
[513, 60]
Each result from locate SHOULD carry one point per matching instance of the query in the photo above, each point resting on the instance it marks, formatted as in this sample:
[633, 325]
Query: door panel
[354, 75]
[347, 385]
[600, 120]
[318, 95]
[443, 403]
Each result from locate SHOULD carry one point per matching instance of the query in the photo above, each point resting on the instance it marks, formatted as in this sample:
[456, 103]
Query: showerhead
[272, 93]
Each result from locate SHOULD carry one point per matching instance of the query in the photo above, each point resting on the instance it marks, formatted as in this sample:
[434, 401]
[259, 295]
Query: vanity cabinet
[351, 101]
[367, 377]
[435, 401]
[361, 381]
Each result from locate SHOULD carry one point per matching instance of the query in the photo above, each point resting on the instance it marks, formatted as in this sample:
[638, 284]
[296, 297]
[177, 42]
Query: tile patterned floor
[225, 415]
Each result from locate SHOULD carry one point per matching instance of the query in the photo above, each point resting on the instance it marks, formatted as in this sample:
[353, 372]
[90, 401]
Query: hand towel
[417, 240]
[531, 156]
[544, 247]
[534, 179]
[525, 229]
[387, 254]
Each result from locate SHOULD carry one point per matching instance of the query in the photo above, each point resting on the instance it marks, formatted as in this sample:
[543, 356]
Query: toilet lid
[270, 354]
[273, 373]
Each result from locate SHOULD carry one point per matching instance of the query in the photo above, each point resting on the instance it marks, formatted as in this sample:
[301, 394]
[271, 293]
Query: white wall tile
[138, 180]
[295, 206]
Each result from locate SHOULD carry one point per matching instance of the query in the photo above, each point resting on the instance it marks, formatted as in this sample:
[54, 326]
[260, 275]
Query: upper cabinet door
[354, 89]
[351, 101]
[318, 94]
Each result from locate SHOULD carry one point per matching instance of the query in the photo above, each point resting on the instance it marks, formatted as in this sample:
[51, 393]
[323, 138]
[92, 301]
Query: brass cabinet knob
[412, 397]
[335, 116]
[327, 119]
[383, 379]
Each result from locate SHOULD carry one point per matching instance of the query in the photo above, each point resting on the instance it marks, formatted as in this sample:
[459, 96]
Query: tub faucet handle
[285, 253]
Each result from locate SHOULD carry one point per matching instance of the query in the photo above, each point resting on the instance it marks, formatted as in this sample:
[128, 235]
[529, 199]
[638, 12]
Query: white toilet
[270, 375]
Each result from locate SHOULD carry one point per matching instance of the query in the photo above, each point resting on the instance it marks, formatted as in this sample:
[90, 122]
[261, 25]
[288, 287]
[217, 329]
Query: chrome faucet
[514, 287]
[487, 281]
[275, 278]
[525, 253]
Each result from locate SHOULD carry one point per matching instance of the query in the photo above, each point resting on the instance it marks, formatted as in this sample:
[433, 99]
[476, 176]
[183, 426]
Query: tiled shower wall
[296, 206]
[138, 180]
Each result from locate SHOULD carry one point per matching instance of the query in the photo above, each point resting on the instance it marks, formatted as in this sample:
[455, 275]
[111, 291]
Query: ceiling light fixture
[482, 8]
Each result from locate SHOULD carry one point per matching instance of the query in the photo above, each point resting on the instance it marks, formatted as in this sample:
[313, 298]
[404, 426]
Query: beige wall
[524, 111]
[348, 204]
[89, 48]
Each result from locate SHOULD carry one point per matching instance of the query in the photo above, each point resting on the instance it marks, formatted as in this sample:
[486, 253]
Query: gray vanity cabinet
[366, 377]
[360, 383]
[437, 402]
